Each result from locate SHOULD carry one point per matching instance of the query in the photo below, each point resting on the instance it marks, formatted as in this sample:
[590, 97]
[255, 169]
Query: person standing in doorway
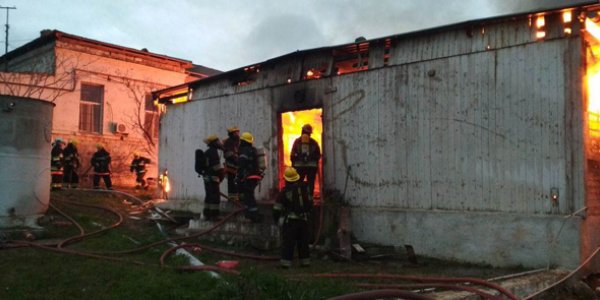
[101, 163]
[305, 157]
[231, 147]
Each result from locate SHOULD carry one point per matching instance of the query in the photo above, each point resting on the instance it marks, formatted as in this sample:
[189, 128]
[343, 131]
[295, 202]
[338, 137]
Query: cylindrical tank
[25, 144]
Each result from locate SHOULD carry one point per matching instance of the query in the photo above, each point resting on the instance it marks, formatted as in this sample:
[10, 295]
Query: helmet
[211, 138]
[307, 129]
[291, 175]
[233, 129]
[75, 142]
[99, 146]
[247, 137]
[136, 153]
[59, 140]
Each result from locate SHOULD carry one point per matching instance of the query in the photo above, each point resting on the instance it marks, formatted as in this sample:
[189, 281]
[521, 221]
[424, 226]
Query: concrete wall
[454, 145]
[125, 85]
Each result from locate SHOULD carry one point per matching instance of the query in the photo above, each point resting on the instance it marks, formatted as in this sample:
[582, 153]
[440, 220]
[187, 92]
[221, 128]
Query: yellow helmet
[211, 138]
[136, 153]
[291, 175]
[99, 146]
[75, 142]
[247, 137]
[232, 129]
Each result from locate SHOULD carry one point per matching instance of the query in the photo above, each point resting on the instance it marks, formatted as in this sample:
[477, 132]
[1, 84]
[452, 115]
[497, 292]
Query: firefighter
[101, 164]
[72, 164]
[305, 157]
[56, 164]
[248, 176]
[213, 176]
[292, 210]
[138, 164]
[231, 147]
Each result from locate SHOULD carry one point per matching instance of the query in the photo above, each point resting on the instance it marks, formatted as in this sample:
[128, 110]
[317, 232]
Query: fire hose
[475, 281]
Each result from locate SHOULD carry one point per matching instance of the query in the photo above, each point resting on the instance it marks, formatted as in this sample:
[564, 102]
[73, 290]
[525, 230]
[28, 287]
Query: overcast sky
[224, 34]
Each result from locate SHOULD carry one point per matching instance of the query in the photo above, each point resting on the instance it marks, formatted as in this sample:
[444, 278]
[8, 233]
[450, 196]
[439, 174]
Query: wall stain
[357, 96]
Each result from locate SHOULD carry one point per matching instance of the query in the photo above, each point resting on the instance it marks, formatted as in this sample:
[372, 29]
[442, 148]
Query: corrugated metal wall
[466, 128]
[470, 119]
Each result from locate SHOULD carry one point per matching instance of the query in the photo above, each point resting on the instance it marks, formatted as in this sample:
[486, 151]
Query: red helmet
[307, 129]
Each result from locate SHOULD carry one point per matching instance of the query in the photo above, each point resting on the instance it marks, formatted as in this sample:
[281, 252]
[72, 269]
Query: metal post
[6, 35]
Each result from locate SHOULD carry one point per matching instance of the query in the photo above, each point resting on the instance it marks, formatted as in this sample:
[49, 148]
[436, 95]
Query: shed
[475, 142]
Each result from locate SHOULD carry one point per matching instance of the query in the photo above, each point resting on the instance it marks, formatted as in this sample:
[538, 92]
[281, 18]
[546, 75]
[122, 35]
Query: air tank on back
[25, 144]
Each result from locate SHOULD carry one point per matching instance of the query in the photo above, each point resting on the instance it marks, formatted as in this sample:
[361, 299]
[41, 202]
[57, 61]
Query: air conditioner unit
[119, 128]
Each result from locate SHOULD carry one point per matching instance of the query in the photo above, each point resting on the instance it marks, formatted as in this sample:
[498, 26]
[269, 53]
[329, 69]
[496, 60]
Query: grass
[29, 273]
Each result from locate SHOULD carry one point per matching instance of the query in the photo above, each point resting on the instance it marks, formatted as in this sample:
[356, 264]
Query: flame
[593, 78]
[567, 17]
[540, 22]
[164, 182]
[291, 128]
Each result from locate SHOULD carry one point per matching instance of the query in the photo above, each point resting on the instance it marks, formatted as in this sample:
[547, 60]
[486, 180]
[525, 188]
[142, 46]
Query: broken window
[351, 58]
[90, 108]
[151, 117]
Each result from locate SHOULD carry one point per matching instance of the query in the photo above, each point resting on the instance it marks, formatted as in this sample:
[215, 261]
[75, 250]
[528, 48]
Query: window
[151, 117]
[90, 108]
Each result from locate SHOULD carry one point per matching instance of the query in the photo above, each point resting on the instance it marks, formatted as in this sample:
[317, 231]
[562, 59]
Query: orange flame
[291, 127]
[593, 78]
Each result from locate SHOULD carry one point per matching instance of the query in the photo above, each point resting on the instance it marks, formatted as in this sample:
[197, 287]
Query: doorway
[291, 128]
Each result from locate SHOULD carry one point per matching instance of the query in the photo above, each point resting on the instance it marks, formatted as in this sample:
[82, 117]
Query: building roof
[558, 5]
[50, 36]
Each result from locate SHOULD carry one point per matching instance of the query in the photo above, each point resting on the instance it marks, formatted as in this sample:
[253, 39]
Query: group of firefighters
[244, 168]
[65, 163]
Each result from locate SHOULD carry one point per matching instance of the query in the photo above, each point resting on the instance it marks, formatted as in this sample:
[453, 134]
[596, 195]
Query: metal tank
[25, 144]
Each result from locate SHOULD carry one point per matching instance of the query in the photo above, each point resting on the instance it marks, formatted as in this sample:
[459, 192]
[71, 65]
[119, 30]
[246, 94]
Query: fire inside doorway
[291, 128]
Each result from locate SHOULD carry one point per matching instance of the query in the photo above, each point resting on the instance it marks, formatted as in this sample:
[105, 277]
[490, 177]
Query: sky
[229, 34]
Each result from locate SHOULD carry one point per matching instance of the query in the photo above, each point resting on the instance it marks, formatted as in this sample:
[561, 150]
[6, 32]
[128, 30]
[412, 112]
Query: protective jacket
[305, 153]
[214, 171]
[248, 163]
[71, 156]
[293, 202]
[231, 147]
[139, 165]
[101, 161]
[57, 159]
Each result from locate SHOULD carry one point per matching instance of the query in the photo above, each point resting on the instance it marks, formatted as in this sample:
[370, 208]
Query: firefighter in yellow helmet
[249, 175]
[231, 147]
[292, 210]
[138, 164]
[101, 163]
[305, 157]
[72, 164]
[213, 175]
